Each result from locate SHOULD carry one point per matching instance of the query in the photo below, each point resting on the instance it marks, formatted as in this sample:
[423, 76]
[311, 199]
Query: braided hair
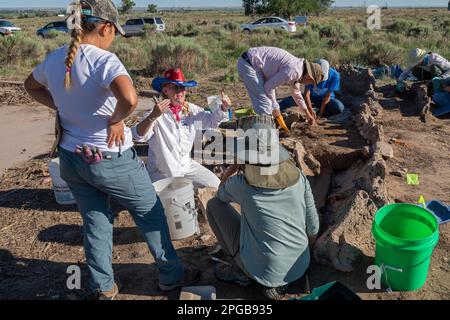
[77, 38]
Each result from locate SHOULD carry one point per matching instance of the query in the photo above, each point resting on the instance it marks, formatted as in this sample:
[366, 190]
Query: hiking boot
[101, 295]
[191, 276]
[231, 274]
[109, 295]
[275, 293]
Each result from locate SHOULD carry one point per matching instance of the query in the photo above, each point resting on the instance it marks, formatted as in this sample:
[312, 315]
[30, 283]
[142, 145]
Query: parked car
[135, 27]
[270, 22]
[60, 26]
[301, 20]
[7, 28]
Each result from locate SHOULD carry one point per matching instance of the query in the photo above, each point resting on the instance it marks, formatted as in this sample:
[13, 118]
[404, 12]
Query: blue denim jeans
[442, 99]
[333, 107]
[126, 179]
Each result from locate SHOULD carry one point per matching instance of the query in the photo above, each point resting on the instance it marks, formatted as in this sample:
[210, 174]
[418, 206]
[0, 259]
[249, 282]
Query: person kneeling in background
[442, 99]
[268, 241]
[321, 97]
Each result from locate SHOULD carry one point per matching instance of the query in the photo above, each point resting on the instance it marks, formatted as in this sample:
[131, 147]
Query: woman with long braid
[93, 94]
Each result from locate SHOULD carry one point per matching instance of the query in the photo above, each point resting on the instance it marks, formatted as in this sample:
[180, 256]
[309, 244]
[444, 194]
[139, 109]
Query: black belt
[246, 58]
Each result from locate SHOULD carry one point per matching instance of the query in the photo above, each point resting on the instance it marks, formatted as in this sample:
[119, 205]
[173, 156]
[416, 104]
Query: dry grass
[210, 42]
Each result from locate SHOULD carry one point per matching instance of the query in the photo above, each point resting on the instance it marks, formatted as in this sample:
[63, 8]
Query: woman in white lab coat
[170, 132]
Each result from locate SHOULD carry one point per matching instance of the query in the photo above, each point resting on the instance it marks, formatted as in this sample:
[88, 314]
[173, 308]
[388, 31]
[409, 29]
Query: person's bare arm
[226, 101]
[309, 103]
[325, 101]
[39, 92]
[303, 104]
[127, 100]
[447, 88]
[312, 240]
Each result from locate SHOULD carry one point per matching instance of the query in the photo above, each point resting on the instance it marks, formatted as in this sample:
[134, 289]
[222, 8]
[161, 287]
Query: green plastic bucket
[243, 112]
[405, 237]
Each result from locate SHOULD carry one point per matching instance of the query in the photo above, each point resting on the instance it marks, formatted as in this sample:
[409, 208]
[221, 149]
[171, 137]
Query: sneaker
[191, 276]
[109, 295]
[276, 293]
[231, 274]
[101, 295]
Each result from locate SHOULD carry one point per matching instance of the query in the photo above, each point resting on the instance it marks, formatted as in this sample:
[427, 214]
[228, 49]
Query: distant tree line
[29, 13]
[285, 8]
[127, 6]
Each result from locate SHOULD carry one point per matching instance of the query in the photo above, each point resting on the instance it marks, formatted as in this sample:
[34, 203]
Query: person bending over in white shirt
[170, 131]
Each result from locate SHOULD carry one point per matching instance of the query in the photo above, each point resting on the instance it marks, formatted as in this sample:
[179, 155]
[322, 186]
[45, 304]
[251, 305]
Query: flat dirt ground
[39, 239]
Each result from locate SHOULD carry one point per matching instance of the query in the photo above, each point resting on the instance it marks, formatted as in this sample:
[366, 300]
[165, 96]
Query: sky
[217, 3]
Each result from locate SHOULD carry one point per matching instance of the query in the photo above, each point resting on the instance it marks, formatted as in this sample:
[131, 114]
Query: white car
[7, 28]
[270, 22]
[135, 27]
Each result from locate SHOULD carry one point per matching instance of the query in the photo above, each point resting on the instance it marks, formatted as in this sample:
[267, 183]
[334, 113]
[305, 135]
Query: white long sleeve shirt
[279, 68]
[433, 60]
[170, 142]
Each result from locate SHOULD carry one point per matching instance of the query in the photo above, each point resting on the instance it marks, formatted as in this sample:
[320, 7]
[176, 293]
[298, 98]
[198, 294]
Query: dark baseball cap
[103, 9]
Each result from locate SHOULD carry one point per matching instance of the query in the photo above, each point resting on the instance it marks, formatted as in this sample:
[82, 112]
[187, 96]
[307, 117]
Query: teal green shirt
[275, 225]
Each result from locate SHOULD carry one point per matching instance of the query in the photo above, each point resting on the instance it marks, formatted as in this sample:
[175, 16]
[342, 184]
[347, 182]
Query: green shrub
[56, 42]
[149, 28]
[219, 33]
[315, 26]
[134, 57]
[420, 30]
[192, 30]
[232, 26]
[231, 75]
[360, 32]
[189, 30]
[410, 28]
[401, 26]
[382, 53]
[18, 48]
[336, 30]
[260, 40]
[181, 53]
[307, 34]
[52, 34]
[264, 30]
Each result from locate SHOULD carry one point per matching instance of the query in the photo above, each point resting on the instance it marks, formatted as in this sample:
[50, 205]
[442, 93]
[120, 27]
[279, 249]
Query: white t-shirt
[86, 108]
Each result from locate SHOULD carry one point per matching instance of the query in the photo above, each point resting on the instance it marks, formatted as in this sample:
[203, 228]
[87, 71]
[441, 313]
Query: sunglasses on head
[86, 11]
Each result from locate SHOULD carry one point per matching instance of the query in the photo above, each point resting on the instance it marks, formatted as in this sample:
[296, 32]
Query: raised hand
[226, 101]
[160, 108]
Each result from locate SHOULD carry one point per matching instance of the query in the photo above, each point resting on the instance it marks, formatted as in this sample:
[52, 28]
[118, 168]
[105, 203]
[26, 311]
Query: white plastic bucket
[60, 188]
[177, 197]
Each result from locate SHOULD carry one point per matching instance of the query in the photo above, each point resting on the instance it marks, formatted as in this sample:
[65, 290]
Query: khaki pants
[225, 222]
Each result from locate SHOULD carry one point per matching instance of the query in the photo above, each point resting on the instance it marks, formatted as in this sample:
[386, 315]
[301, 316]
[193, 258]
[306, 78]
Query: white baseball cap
[325, 65]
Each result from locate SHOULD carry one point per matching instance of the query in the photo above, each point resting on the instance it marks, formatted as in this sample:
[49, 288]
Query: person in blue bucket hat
[170, 130]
